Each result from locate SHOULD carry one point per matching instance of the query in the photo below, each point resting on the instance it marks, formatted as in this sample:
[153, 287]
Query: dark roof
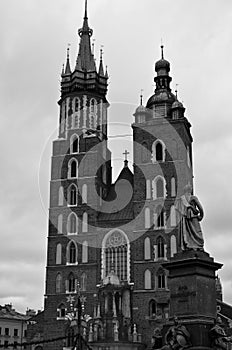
[7, 312]
[118, 205]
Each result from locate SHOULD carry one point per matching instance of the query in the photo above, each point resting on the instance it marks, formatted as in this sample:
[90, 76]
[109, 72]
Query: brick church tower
[107, 241]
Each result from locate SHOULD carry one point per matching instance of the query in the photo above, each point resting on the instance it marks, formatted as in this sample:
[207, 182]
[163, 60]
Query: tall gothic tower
[108, 240]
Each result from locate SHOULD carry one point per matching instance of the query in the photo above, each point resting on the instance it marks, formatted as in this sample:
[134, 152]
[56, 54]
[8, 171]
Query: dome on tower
[160, 97]
[140, 109]
[177, 104]
[162, 64]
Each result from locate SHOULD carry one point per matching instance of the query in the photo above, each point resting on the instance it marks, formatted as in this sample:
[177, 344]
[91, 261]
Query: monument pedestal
[193, 294]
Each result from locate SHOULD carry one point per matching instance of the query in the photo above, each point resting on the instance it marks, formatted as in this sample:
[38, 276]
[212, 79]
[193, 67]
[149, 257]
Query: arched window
[158, 151]
[72, 226]
[61, 311]
[84, 193]
[147, 279]
[161, 280]
[145, 153]
[173, 216]
[76, 104]
[160, 248]
[71, 283]
[72, 195]
[73, 168]
[158, 187]
[83, 282]
[147, 248]
[93, 106]
[85, 222]
[159, 217]
[147, 218]
[173, 245]
[58, 283]
[60, 224]
[115, 255]
[58, 253]
[173, 187]
[74, 144]
[85, 252]
[61, 196]
[71, 253]
[152, 308]
[148, 189]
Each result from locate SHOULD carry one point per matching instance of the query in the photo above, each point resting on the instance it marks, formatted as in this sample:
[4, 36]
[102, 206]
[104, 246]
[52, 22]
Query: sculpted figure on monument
[177, 337]
[191, 213]
[218, 336]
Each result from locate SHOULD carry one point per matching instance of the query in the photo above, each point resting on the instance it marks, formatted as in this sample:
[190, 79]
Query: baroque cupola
[142, 114]
[161, 102]
[177, 109]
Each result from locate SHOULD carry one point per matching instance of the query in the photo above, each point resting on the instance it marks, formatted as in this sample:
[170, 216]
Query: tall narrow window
[159, 217]
[161, 280]
[60, 224]
[152, 308]
[72, 168]
[58, 283]
[173, 245]
[173, 216]
[72, 195]
[160, 248]
[159, 152]
[76, 106]
[58, 253]
[84, 193]
[147, 218]
[158, 187]
[85, 252]
[148, 189]
[71, 283]
[147, 279]
[72, 224]
[72, 253]
[85, 222]
[61, 196]
[74, 144]
[83, 282]
[147, 248]
[173, 187]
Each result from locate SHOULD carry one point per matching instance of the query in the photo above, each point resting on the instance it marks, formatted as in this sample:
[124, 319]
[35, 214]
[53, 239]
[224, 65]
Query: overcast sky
[34, 34]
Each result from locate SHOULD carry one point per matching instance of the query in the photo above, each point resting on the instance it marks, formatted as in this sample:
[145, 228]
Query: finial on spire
[176, 90]
[141, 97]
[101, 52]
[93, 44]
[86, 16]
[162, 51]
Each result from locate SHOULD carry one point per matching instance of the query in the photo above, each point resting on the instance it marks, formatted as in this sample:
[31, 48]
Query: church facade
[107, 241]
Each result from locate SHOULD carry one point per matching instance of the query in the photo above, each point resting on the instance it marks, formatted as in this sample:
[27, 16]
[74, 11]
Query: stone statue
[191, 213]
[177, 337]
[156, 339]
[218, 336]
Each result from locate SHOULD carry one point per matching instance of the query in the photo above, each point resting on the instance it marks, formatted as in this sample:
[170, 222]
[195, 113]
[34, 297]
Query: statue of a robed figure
[191, 213]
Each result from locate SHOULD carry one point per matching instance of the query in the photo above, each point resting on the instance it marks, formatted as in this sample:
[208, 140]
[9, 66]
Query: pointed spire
[67, 68]
[106, 74]
[101, 69]
[141, 97]
[162, 51]
[85, 55]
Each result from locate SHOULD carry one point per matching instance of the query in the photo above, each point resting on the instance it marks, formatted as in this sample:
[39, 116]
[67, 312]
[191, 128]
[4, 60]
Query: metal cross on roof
[126, 154]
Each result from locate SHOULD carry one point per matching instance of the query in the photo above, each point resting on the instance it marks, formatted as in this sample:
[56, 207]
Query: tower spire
[85, 58]
[67, 67]
[101, 69]
[162, 51]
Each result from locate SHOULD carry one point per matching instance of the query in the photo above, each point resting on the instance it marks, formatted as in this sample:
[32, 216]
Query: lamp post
[75, 317]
